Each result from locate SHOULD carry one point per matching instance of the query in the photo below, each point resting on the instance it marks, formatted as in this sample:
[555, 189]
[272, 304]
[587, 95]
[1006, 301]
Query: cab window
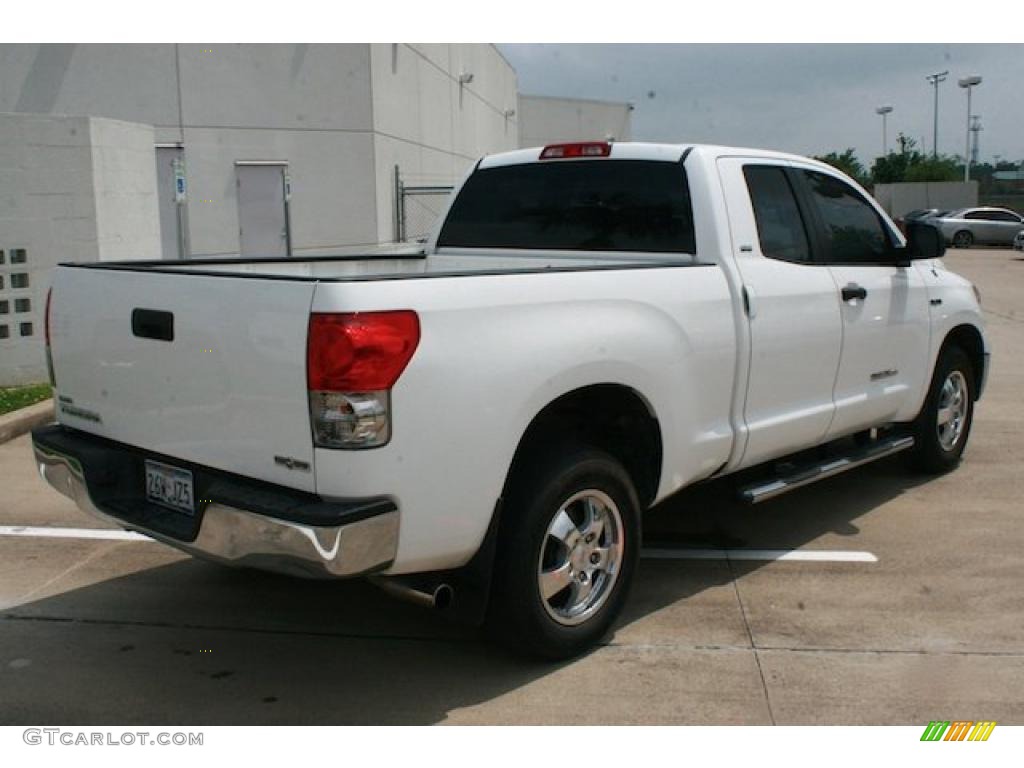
[780, 227]
[577, 205]
[853, 230]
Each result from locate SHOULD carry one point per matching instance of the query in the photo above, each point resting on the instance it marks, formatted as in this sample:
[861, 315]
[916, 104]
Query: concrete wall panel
[898, 199]
[124, 188]
[71, 189]
[297, 87]
[332, 205]
[544, 120]
[124, 82]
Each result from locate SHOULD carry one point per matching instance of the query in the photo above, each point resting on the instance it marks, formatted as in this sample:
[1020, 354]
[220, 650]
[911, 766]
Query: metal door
[884, 306]
[262, 210]
[170, 181]
[795, 326]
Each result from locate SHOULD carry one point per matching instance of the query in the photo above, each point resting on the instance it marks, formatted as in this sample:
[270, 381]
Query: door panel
[885, 346]
[794, 320]
[985, 228]
[262, 219]
[886, 316]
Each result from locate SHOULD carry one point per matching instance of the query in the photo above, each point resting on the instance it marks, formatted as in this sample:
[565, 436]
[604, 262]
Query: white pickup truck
[482, 422]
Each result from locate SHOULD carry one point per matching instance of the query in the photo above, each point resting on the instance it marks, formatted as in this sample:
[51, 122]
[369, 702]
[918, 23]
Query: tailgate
[228, 391]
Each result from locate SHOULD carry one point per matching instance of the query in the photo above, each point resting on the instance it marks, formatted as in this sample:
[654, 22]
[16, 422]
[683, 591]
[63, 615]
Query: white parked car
[482, 424]
[979, 226]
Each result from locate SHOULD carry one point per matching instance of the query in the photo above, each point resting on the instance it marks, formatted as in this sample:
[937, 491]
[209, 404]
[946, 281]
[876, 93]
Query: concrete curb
[24, 419]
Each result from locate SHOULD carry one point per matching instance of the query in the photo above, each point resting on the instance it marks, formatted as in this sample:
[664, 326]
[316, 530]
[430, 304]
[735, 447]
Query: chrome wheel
[580, 557]
[952, 411]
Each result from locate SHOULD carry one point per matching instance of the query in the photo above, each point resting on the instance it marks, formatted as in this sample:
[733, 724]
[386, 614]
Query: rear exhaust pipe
[439, 598]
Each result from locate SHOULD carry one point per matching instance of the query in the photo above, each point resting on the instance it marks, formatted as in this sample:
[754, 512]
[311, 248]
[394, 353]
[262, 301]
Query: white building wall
[71, 189]
[124, 82]
[431, 127]
[342, 116]
[544, 120]
[308, 105]
[124, 190]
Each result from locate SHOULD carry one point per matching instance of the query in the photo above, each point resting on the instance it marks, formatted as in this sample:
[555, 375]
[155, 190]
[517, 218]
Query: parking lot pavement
[96, 632]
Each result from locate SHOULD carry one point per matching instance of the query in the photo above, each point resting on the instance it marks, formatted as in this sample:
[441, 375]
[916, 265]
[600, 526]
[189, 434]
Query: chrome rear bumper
[241, 537]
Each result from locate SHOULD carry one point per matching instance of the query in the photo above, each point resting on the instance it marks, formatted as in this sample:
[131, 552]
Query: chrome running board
[764, 490]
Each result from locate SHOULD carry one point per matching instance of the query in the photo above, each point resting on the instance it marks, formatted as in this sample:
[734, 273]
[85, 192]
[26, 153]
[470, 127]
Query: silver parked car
[1018, 241]
[982, 226]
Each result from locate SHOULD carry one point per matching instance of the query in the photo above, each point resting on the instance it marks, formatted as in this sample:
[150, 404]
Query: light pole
[968, 83]
[935, 79]
[884, 112]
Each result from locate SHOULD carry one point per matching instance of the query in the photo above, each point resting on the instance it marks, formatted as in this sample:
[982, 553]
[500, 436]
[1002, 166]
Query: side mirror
[924, 240]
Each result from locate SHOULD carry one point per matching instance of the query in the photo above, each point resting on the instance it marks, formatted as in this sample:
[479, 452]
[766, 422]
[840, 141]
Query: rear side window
[780, 227]
[978, 215]
[854, 232]
[586, 205]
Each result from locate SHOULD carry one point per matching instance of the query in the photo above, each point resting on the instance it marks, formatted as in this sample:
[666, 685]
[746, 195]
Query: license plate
[169, 486]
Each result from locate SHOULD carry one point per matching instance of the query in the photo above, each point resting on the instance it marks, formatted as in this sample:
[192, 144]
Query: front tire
[963, 239]
[567, 552]
[942, 428]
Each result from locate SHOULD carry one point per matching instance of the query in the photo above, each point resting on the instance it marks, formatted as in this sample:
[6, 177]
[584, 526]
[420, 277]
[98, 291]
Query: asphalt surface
[107, 632]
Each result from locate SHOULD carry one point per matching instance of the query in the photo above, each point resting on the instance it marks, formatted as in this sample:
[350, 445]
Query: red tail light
[361, 351]
[578, 149]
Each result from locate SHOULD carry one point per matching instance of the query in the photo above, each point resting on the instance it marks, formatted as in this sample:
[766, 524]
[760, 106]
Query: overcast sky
[807, 99]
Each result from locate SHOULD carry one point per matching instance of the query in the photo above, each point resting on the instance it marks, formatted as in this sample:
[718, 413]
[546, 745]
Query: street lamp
[935, 79]
[884, 111]
[968, 83]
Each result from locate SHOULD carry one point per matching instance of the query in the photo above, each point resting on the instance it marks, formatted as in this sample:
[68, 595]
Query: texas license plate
[169, 486]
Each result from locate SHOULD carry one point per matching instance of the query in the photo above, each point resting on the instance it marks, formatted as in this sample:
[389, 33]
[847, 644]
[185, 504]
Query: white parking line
[807, 555]
[105, 534]
[653, 553]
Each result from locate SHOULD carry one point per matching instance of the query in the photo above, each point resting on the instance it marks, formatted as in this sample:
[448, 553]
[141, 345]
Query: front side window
[853, 229]
[780, 227]
[584, 205]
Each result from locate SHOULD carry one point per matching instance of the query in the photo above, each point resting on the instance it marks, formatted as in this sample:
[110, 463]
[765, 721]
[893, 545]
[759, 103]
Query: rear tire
[567, 551]
[963, 239]
[942, 428]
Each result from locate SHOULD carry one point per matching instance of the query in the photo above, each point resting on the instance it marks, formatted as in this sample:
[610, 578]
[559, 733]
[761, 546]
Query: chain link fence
[418, 206]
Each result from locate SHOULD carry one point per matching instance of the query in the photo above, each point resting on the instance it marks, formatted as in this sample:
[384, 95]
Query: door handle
[853, 291]
[153, 324]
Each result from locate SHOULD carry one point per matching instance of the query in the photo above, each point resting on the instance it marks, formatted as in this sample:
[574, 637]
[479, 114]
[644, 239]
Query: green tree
[848, 163]
[941, 168]
[910, 165]
[890, 169]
